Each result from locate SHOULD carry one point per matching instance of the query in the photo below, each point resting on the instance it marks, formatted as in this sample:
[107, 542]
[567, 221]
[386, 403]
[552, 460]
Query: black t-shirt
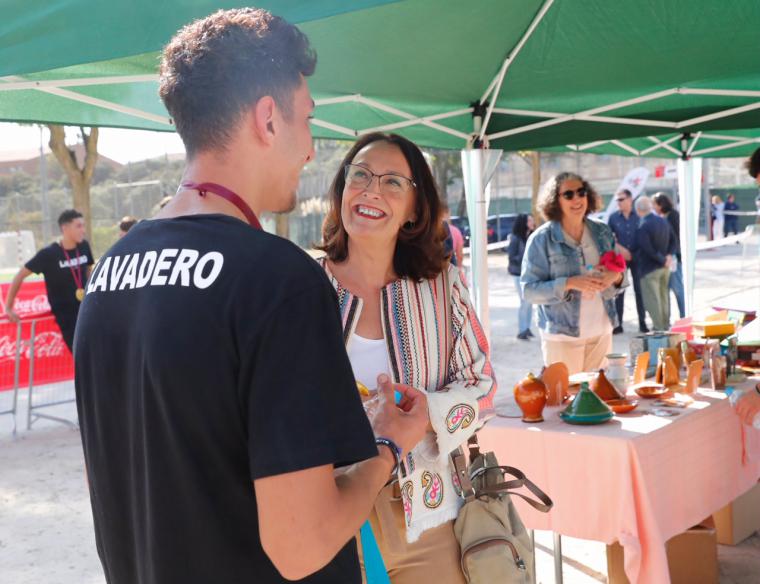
[60, 282]
[208, 354]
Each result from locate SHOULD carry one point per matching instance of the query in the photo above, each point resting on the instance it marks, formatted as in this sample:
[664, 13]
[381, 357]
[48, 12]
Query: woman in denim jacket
[562, 276]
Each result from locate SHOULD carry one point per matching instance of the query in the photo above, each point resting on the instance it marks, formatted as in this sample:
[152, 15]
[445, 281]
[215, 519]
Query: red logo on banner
[52, 360]
[31, 300]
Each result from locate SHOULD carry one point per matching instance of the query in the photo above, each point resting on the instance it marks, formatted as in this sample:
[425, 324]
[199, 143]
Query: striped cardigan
[438, 346]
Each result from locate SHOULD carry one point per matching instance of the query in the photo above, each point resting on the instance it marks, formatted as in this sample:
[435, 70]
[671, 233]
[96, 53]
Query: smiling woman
[406, 314]
[562, 274]
[386, 190]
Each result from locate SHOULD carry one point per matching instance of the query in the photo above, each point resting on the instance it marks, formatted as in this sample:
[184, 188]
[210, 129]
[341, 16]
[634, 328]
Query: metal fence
[45, 395]
[32, 354]
[10, 357]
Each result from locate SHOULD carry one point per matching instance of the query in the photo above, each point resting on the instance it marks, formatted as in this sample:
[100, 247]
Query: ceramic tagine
[586, 408]
[530, 395]
[602, 387]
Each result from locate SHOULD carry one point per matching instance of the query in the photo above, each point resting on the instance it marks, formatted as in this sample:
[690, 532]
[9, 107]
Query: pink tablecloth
[639, 479]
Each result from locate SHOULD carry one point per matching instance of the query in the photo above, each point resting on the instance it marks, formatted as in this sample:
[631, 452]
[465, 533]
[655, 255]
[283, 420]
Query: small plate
[622, 406]
[586, 420]
[649, 389]
[508, 410]
[663, 413]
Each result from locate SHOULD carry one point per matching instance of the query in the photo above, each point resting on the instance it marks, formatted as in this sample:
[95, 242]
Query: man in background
[731, 222]
[624, 224]
[66, 266]
[126, 223]
[655, 246]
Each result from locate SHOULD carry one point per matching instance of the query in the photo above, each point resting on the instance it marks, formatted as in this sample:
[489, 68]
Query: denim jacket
[548, 262]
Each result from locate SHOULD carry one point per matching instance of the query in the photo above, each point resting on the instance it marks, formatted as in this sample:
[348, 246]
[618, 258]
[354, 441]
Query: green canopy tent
[508, 74]
[548, 72]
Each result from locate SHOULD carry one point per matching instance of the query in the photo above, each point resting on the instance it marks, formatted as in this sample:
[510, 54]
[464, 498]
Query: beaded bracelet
[393, 447]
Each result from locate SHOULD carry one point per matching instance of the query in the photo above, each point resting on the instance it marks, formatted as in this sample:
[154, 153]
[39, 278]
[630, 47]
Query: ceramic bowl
[650, 389]
[622, 406]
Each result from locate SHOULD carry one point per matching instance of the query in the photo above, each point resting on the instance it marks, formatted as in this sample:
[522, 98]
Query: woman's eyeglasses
[359, 177]
[570, 194]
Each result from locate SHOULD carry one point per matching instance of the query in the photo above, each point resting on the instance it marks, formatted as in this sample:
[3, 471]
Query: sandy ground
[46, 534]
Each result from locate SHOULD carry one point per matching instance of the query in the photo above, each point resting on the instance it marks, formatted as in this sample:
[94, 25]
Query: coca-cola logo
[37, 305]
[7, 348]
[46, 345]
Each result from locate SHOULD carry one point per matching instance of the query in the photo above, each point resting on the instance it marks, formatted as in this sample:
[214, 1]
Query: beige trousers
[434, 557]
[579, 355]
[655, 291]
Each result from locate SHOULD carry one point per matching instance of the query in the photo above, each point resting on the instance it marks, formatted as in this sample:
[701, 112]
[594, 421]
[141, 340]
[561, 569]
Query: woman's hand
[405, 422]
[610, 278]
[591, 282]
[405, 402]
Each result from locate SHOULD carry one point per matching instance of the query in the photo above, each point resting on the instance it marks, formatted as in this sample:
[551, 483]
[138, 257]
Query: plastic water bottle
[592, 271]
[734, 397]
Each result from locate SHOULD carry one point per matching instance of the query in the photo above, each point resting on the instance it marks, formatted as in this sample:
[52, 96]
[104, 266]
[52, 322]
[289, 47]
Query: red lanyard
[220, 191]
[78, 274]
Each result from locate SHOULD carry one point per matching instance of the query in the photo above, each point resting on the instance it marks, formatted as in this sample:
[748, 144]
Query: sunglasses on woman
[569, 195]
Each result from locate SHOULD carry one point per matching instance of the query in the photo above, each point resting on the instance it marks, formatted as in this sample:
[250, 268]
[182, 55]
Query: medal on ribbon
[76, 274]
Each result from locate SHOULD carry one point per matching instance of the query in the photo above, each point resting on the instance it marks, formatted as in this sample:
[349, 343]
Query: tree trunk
[80, 179]
[535, 163]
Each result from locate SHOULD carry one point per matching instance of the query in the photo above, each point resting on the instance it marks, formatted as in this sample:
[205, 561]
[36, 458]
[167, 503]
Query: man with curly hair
[213, 387]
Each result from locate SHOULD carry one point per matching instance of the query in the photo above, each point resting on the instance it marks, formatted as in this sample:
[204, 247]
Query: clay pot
[602, 387]
[530, 395]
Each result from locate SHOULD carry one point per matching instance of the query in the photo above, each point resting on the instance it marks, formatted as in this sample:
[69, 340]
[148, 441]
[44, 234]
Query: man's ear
[264, 119]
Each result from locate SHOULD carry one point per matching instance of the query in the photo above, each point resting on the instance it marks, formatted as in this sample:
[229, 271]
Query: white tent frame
[60, 87]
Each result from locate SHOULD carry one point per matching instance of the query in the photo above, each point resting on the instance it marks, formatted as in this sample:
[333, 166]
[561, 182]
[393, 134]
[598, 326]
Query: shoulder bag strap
[544, 504]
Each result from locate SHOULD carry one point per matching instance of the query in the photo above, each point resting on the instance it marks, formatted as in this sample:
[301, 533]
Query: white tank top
[369, 358]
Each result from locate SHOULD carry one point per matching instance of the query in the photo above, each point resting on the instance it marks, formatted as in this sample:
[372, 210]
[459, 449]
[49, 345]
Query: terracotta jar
[531, 396]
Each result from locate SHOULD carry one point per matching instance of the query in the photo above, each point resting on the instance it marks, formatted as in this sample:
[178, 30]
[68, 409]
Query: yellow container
[715, 328]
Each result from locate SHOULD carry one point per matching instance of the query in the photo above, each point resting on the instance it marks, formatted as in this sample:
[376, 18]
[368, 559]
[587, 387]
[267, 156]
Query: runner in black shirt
[214, 393]
[66, 266]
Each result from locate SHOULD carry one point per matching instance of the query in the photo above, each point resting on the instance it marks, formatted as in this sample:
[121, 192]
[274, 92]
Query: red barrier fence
[33, 354]
[9, 370]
